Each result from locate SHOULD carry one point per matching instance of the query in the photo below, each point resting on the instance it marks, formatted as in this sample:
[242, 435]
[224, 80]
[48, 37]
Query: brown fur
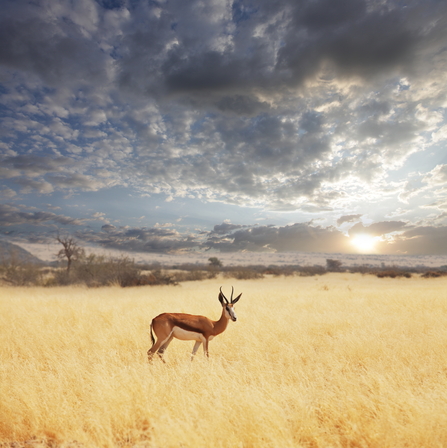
[163, 326]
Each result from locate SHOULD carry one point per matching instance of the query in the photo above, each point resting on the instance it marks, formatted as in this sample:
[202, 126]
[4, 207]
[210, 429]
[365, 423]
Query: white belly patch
[186, 335]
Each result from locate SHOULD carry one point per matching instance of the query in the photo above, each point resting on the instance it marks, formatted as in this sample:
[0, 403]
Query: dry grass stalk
[361, 363]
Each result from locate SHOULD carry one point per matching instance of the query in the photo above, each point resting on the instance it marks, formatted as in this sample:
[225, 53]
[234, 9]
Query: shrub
[97, 270]
[333, 265]
[241, 273]
[25, 274]
[136, 278]
[393, 273]
[280, 270]
[434, 274]
[307, 271]
[214, 261]
[363, 269]
[194, 275]
[18, 271]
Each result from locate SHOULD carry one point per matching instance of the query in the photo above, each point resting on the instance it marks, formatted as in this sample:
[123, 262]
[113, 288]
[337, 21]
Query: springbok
[189, 327]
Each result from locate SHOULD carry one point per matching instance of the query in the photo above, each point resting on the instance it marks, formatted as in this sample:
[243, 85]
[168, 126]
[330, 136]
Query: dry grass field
[341, 360]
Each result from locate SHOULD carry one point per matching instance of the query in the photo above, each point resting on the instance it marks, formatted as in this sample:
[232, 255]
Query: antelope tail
[152, 336]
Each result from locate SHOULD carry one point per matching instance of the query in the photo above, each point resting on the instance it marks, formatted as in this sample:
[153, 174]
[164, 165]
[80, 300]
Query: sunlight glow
[364, 243]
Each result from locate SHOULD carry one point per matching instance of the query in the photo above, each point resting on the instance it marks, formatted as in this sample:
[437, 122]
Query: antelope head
[229, 305]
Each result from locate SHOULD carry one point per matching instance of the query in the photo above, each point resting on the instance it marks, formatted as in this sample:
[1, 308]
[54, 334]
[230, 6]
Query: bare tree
[71, 251]
[333, 265]
[215, 262]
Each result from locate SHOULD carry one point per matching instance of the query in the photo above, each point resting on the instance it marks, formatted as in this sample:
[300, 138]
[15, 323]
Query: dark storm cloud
[146, 234]
[141, 240]
[397, 236]
[348, 218]
[356, 37]
[194, 46]
[297, 237]
[200, 53]
[224, 228]
[378, 228]
[11, 215]
[75, 181]
[33, 165]
[108, 228]
[224, 238]
[419, 240]
[44, 174]
[359, 38]
[48, 48]
[307, 105]
[241, 105]
[222, 80]
[31, 186]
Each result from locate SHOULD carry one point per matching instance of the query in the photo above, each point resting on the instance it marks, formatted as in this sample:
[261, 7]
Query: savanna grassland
[341, 360]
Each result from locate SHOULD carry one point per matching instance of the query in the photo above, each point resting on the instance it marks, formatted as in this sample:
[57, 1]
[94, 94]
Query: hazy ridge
[238, 258]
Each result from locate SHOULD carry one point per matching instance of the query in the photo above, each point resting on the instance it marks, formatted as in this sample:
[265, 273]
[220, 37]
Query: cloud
[213, 92]
[420, 240]
[40, 42]
[32, 185]
[108, 228]
[397, 212]
[224, 228]
[140, 240]
[76, 181]
[7, 193]
[348, 218]
[441, 204]
[378, 228]
[397, 237]
[408, 191]
[437, 176]
[13, 216]
[296, 237]
[44, 174]
[33, 165]
[309, 106]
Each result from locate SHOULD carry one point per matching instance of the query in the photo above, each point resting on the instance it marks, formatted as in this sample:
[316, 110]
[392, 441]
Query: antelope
[189, 327]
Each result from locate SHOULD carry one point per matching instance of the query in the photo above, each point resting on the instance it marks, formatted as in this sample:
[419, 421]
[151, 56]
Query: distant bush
[195, 275]
[333, 265]
[363, 269]
[434, 274]
[98, 270]
[157, 277]
[18, 271]
[25, 274]
[241, 273]
[393, 273]
[215, 262]
[280, 270]
[308, 271]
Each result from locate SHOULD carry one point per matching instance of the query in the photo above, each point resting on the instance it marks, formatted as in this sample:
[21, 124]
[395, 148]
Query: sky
[220, 126]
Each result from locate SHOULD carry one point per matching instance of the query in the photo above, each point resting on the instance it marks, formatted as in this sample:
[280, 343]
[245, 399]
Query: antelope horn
[232, 290]
[223, 295]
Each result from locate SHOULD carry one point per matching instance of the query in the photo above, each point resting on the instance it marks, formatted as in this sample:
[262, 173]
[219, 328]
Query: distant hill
[9, 250]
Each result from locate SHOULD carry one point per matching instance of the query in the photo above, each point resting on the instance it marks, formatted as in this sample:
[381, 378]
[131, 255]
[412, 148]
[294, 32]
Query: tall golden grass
[335, 361]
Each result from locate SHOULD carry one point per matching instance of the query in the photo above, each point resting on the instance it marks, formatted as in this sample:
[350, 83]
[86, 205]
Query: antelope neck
[221, 324]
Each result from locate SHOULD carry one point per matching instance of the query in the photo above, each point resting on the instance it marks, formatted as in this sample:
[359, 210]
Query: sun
[364, 242]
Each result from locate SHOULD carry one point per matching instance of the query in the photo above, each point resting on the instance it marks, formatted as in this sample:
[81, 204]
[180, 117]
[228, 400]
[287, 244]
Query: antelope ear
[236, 299]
